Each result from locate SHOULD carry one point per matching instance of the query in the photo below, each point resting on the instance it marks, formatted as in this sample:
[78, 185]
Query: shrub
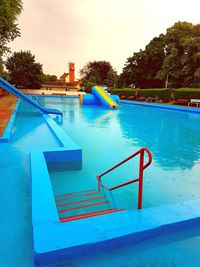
[187, 93]
[124, 91]
[162, 93]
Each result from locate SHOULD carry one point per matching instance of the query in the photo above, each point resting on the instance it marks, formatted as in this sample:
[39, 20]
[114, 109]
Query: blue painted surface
[15, 190]
[162, 106]
[69, 156]
[89, 99]
[130, 226]
[99, 233]
[13, 90]
[16, 235]
[43, 204]
[174, 173]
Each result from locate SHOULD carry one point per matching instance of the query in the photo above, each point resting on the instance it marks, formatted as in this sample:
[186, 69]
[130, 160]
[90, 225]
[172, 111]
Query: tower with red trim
[71, 72]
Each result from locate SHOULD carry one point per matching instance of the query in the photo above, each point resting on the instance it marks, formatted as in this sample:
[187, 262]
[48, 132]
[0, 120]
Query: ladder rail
[142, 167]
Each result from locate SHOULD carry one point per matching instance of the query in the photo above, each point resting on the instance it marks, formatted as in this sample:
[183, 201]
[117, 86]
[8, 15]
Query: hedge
[162, 93]
[187, 93]
[124, 91]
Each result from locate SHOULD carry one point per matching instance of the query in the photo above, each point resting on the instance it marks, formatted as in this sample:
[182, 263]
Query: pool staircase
[142, 166]
[83, 204]
[89, 203]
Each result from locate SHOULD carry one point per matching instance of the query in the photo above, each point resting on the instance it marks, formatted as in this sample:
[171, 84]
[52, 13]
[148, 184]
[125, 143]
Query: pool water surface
[106, 137]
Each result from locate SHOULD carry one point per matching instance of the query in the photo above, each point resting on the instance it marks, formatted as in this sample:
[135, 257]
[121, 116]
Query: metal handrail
[142, 166]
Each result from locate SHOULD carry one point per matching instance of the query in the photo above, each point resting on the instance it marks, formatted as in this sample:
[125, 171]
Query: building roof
[64, 75]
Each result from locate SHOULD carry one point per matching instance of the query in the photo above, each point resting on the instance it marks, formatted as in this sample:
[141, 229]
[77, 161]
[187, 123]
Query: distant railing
[142, 166]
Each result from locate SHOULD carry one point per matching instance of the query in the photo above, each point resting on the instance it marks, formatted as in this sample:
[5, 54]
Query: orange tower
[71, 72]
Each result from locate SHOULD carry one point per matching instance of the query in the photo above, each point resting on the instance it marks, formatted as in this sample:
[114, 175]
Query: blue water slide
[13, 90]
[89, 99]
[104, 97]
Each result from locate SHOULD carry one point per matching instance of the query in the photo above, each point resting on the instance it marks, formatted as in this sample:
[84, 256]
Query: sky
[80, 31]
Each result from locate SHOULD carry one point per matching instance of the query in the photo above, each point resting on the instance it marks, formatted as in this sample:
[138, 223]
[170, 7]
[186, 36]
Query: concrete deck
[7, 104]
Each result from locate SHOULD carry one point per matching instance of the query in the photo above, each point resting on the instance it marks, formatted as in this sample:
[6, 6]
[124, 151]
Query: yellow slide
[104, 98]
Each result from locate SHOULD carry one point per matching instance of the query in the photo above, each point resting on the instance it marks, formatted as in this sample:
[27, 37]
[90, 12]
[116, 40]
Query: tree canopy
[98, 72]
[170, 60]
[23, 71]
[9, 11]
[49, 77]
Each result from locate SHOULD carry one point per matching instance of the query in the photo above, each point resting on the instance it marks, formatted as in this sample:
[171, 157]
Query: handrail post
[140, 186]
[142, 167]
[99, 183]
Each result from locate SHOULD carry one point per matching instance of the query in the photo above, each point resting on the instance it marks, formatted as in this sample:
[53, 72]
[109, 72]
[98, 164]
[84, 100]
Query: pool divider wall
[55, 96]
[43, 204]
[162, 106]
[61, 136]
[68, 156]
[62, 242]
[7, 133]
[44, 212]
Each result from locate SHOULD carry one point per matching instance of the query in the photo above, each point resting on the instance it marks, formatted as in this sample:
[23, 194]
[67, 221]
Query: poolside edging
[162, 106]
[7, 133]
[75, 239]
[69, 154]
[56, 242]
[59, 133]
[43, 204]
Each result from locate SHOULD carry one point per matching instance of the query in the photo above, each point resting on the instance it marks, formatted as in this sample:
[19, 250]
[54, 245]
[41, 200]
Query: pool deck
[7, 105]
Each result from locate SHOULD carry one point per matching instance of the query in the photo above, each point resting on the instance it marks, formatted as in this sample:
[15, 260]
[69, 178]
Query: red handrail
[142, 166]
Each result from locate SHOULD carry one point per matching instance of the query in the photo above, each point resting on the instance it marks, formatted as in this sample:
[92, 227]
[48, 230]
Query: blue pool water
[106, 137]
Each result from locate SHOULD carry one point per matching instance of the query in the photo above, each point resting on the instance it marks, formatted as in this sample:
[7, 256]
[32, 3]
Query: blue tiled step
[88, 215]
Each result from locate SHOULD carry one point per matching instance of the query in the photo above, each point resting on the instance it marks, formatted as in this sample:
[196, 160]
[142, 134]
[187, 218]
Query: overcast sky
[59, 31]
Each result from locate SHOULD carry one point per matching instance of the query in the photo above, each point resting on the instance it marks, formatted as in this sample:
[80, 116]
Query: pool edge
[56, 243]
[8, 131]
[161, 106]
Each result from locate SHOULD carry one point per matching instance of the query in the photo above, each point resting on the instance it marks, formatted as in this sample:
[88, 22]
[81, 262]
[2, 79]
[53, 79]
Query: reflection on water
[108, 136]
[172, 137]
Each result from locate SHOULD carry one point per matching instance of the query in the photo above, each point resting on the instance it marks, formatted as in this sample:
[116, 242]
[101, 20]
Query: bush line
[162, 93]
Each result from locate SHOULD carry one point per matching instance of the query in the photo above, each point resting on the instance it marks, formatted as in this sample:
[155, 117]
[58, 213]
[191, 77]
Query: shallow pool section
[159, 235]
[99, 233]
[108, 136]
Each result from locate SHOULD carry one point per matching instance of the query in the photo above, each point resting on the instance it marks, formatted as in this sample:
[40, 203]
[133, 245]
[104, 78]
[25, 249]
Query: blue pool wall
[55, 242]
[68, 156]
[162, 106]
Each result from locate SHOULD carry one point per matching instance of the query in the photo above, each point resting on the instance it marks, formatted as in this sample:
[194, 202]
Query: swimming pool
[119, 137]
[108, 136]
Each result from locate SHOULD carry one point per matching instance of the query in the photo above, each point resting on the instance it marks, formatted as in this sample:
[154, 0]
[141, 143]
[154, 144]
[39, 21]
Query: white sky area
[59, 31]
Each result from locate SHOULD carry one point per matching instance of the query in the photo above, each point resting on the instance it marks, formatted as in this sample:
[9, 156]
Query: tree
[9, 11]
[49, 77]
[98, 72]
[140, 70]
[24, 72]
[170, 60]
[181, 55]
